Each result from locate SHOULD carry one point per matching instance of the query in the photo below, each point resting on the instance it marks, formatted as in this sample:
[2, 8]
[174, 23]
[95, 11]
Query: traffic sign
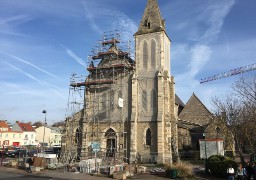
[95, 146]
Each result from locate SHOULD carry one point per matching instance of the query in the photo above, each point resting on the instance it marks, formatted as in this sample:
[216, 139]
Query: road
[15, 174]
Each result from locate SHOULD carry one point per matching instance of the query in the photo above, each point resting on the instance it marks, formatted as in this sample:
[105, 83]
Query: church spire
[152, 20]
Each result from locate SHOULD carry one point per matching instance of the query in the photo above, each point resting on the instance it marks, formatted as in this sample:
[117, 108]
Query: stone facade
[197, 122]
[153, 101]
[129, 111]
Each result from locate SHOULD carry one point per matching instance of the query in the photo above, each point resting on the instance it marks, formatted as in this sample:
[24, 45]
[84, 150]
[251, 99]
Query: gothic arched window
[111, 145]
[153, 53]
[145, 55]
[148, 137]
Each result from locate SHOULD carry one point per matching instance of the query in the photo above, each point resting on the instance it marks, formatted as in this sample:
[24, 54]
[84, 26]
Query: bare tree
[240, 109]
[245, 88]
[59, 123]
[38, 124]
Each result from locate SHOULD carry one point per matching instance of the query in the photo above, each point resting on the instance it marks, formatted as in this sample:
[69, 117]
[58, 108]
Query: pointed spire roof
[152, 20]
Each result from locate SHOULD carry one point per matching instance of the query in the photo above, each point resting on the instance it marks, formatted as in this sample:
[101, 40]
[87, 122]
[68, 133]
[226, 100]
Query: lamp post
[44, 112]
[205, 151]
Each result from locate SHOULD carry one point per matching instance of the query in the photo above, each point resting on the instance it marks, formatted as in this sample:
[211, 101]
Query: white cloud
[200, 55]
[9, 24]
[112, 22]
[214, 15]
[37, 80]
[26, 62]
[75, 57]
[90, 17]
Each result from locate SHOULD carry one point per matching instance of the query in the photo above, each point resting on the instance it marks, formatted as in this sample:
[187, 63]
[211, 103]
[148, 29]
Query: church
[131, 111]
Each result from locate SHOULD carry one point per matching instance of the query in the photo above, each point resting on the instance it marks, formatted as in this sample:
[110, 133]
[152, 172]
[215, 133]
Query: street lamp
[44, 112]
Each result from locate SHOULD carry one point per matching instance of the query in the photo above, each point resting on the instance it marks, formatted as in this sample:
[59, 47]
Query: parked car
[32, 152]
[16, 153]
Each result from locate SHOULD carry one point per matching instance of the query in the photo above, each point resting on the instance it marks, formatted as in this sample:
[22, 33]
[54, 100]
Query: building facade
[8, 137]
[49, 136]
[153, 119]
[130, 113]
[28, 133]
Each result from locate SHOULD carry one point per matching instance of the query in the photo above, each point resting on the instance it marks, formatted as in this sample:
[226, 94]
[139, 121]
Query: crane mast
[229, 73]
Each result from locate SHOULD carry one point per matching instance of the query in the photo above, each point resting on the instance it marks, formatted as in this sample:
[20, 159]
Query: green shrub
[218, 165]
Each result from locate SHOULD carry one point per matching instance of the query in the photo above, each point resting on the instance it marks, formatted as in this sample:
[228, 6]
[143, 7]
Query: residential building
[49, 136]
[9, 137]
[28, 133]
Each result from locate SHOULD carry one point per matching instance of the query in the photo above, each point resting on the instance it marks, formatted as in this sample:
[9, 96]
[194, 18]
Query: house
[28, 133]
[49, 136]
[7, 136]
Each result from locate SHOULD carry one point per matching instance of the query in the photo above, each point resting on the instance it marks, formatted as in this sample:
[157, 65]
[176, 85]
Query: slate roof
[195, 112]
[179, 101]
[152, 20]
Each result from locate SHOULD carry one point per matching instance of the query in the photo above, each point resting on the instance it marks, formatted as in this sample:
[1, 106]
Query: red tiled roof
[26, 126]
[3, 124]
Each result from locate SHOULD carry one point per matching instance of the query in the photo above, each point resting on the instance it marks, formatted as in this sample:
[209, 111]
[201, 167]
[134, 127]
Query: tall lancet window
[153, 99]
[153, 54]
[112, 100]
[148, 137]
[145, 55]
[104, 101]
[144, 100]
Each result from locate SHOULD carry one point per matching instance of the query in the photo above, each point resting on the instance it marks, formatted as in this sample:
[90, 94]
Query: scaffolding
[101, 126]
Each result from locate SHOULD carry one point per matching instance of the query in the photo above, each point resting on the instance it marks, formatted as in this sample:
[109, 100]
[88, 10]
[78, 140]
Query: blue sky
[43, 42]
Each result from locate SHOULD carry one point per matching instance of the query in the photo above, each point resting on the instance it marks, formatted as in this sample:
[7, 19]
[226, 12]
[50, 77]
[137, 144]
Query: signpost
[95, 149]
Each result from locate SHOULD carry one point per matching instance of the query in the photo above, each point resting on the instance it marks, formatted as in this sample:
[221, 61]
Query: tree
[240, 110]
[38, 124]
[59, 123]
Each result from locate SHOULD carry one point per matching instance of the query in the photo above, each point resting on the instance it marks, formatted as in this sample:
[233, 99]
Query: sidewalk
[60, 175]
[53, 174]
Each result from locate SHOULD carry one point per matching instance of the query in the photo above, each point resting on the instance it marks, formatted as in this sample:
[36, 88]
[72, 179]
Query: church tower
[153, 119]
